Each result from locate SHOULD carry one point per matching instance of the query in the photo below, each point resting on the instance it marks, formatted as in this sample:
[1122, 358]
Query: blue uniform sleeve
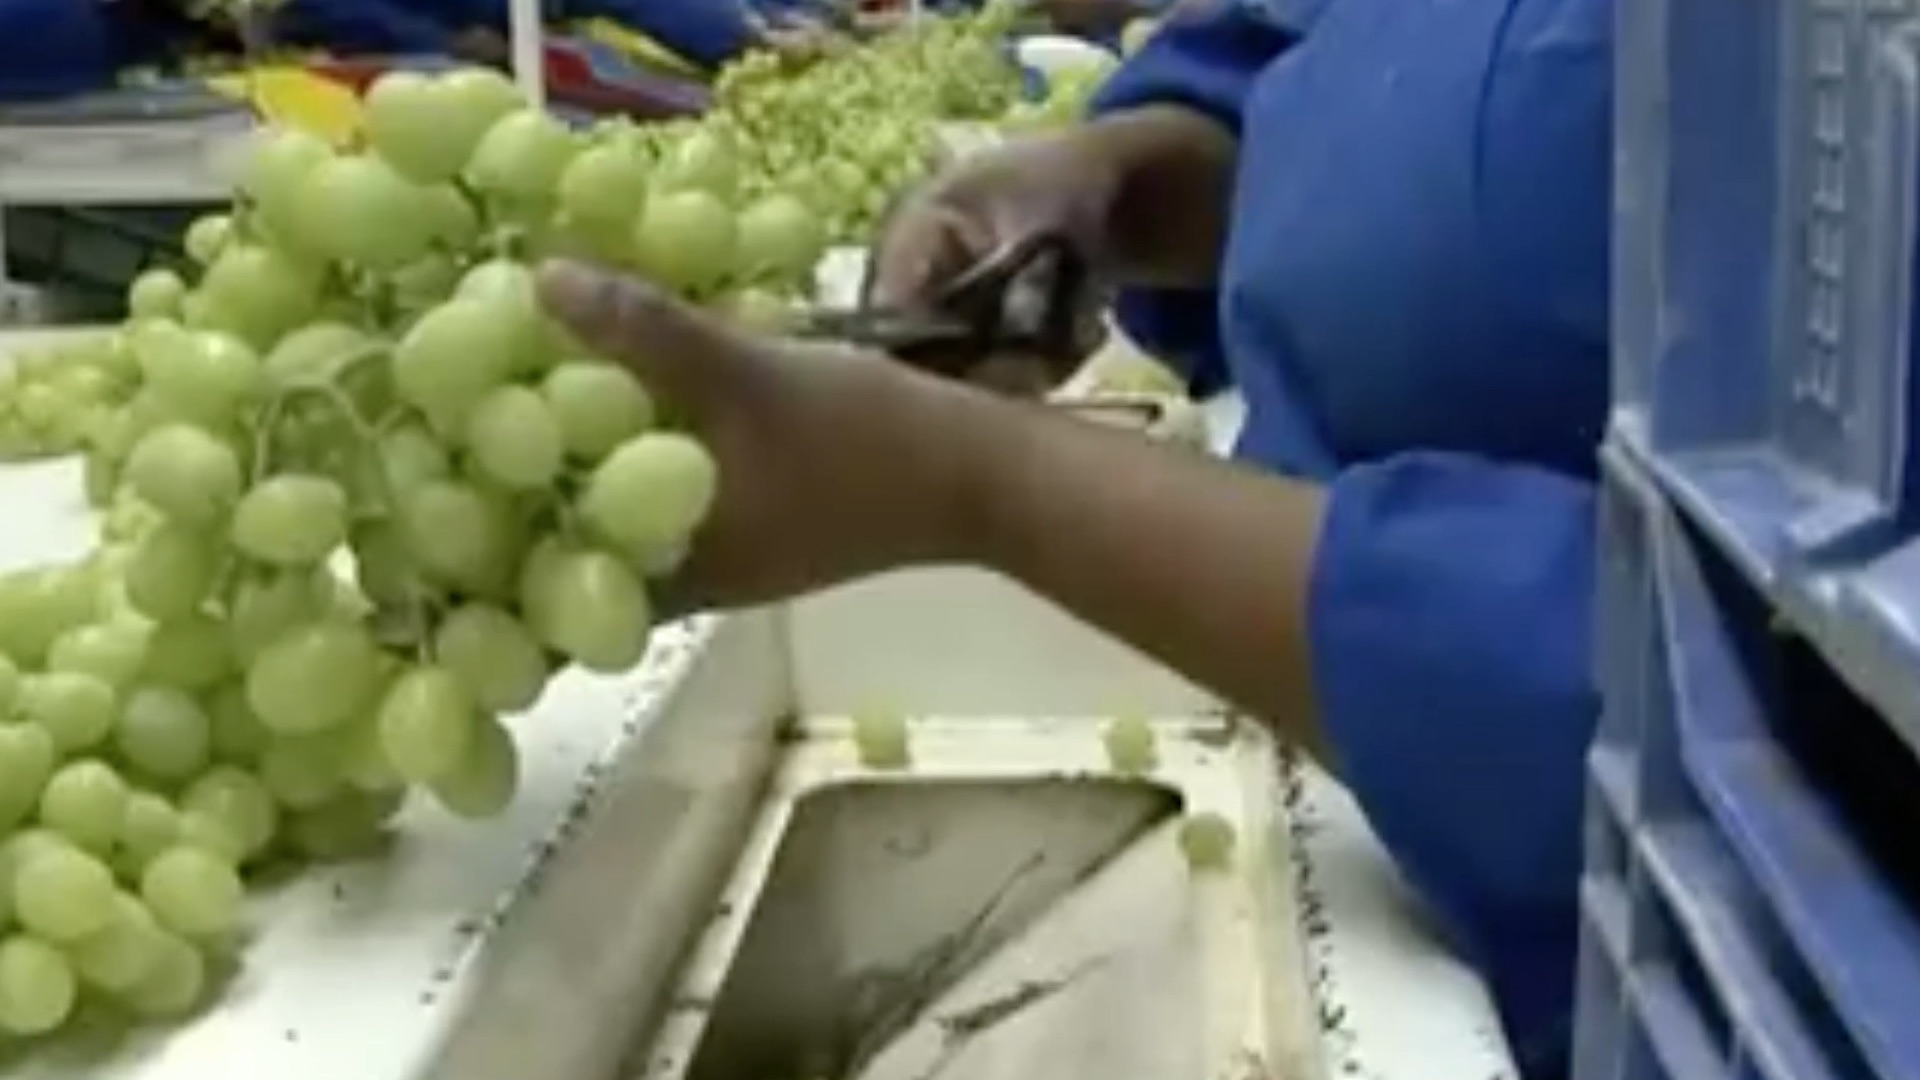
[706, 32]
[363, 26]
[54, 48]
[1206, 57]
[1450, 617]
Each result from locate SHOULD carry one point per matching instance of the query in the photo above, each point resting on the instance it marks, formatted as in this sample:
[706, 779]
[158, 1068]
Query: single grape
[304, 771]
[427, 723]
[1206, 839]
[521, 158]
[206, 237]
[164, 734]
[291, 520]
[1130, 745]
[85, 801]
[192, 891]
[597, 405]
[149, 825]
[314, 678]
[76, 710]
[514, 439]
[237, 801]
[604, 186]
[686, 239]
[62, 893]
[494, 654]
[120, 954]
[263, 292]
[351, 825]
[453, 356]
[459, 534]
[27, 758]
[703, 162]
[507, 290]
[313, 354]
[37, 986]
[588, 605]
[155, 294]
[205, 377]
[279, 163]
[265, 606]
[881, 738]
[406, 118]
[649, 495]
[780, 238]
[359, 210]
[114, 652]
[172, 988]
[191, 654]
[411, 456]
[482, 783]
[172, 571]
[238, 735]
[185, 473]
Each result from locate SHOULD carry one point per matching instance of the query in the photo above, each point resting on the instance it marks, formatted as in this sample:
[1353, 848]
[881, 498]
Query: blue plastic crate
[1765, 229]
[1744, 917]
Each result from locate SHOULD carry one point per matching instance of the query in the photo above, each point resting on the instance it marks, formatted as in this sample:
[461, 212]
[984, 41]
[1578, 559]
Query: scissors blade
[934, 342]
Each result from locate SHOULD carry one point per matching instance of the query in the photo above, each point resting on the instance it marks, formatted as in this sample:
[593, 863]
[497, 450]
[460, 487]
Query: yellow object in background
[294, 97]
[636, 47]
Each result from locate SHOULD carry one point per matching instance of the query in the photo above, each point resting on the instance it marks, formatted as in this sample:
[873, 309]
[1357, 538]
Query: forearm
[1199, 563]
[1169, 221]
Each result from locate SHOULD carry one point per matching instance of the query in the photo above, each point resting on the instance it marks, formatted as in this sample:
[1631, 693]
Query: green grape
[382, 566]
[494, 655]
[277, 167]
[37, 606]
[1206, 839]
[237, 733]
[506, 289]
[407, 123]
[426, 723]
[459, 534]
[192, 892]
[11, 682]
[780, 238]
[649, 495]
[313, 678]
[75, 710]
[348, 826]
[597, 405]
[313, 354]
[85, 801]
[114, 652]
[604, 186]
[265, 606]
[881, 738]
[156, 294]
[304, 771]
[164, 734]
[514, 438]
[185, 473]
[1130, 745]
[291, 520]
[190, 653]
[261, 291]
[204, 376]
[238, 802]
[521, 157]
[172, 988]
[702, 162]
[37, 986]
[149, 825]
[61, 893]
[120, 954]
[481, 783]
[588, 605]
[453, 356]
[207, 236]
[360, 211]
[686, 239]
[27, 758]
[411, 456]
[172, 571]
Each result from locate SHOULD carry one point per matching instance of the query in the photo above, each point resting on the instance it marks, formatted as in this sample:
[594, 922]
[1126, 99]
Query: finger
[676, 349]
[926, 246]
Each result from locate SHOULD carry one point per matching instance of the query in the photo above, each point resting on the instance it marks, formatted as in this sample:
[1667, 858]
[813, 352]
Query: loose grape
[1130, 745]
[1206, 839]
[882, 740]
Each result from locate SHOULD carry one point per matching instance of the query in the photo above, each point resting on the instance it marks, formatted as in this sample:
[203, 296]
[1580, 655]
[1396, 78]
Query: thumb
[678, 350]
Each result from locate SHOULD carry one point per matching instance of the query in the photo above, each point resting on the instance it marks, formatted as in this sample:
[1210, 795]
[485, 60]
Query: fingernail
[575, 292]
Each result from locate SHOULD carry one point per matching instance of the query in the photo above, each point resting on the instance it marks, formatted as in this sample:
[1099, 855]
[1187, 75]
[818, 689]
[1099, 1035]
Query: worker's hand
[833, 465]
[1049, 185]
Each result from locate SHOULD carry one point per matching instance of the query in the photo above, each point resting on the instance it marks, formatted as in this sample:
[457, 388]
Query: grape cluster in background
[360, 499]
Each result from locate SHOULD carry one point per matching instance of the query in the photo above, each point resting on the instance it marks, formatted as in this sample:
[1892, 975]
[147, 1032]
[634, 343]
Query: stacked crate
[1752, 895]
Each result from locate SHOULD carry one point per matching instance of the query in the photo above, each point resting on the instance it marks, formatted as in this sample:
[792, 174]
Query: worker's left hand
[834, 463]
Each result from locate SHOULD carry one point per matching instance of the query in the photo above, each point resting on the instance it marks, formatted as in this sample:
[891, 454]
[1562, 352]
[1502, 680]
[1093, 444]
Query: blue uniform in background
[1414, 302]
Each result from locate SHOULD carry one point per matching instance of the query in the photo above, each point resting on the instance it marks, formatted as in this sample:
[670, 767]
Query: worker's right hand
[1050, 185]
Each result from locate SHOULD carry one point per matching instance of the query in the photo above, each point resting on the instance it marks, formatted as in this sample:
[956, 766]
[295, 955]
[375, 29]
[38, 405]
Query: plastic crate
[1744, 916]
[1765, 238]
